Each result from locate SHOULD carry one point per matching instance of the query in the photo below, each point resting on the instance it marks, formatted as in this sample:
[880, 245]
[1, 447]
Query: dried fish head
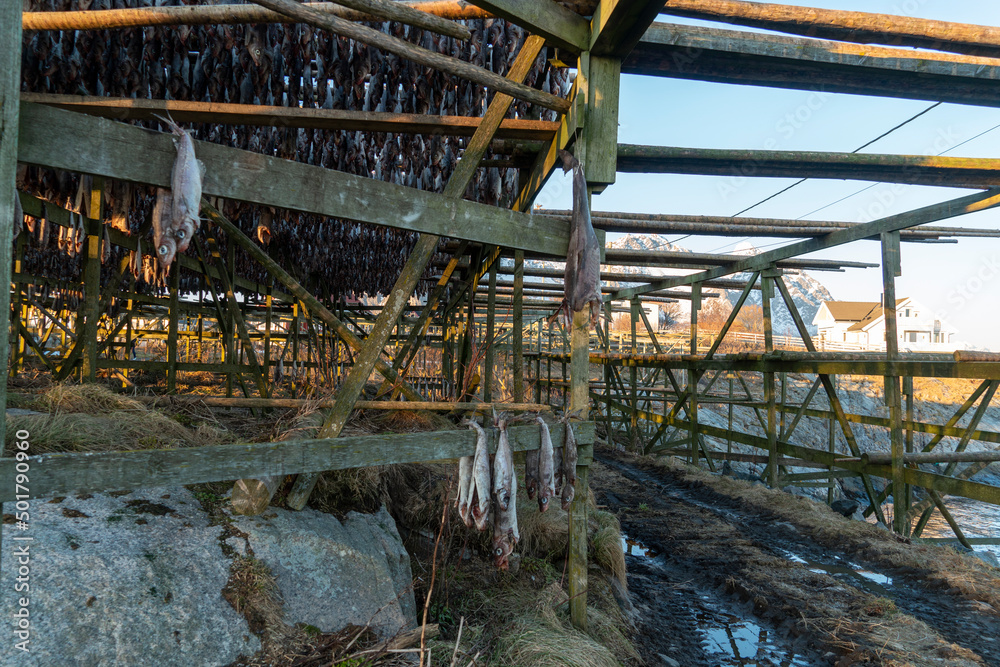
[166, 250]
[183, 234]
[503, 547]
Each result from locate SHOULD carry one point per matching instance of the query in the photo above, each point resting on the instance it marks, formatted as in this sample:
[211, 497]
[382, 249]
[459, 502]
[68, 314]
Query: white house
[862, 323]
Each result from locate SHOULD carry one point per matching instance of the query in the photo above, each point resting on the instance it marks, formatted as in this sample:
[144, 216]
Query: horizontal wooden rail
[321, 119]
[444, 406]
[807, 363]
[94, 472]
[953, 486]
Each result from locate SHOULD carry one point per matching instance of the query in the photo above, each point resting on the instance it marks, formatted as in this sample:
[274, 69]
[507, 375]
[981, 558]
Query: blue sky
[959, 281]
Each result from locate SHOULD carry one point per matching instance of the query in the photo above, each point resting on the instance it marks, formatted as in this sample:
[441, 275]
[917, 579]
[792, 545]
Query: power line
[869, 187]
[860, 148]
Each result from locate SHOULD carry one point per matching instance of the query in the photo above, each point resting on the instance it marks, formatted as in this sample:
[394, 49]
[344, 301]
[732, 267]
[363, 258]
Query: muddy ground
[725, 574]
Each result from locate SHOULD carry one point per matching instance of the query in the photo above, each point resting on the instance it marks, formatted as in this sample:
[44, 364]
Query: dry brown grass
[87, 418]
[89, 398]
[253, 592]
[541, 636]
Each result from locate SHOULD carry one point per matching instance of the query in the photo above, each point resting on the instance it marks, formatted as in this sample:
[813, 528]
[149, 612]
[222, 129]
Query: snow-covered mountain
[807, 292]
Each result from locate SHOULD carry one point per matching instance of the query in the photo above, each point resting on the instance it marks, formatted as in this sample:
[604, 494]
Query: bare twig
[458, 640]
[430, 587]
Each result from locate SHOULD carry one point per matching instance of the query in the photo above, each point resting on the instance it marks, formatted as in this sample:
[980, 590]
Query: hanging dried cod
[583, 261]
[185, 186]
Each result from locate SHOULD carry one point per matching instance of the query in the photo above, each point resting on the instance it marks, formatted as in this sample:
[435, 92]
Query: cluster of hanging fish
[176, 213]
[489, 492]
[295, 66]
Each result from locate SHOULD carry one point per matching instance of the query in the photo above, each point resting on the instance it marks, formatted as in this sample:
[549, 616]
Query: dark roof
[850, 311]
[872, 315]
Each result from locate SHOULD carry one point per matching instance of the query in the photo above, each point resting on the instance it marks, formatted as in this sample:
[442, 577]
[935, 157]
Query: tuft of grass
[88, 398]
[88, 418]
[253, 593]
[540, 635]
[606, 545]
[116, 431]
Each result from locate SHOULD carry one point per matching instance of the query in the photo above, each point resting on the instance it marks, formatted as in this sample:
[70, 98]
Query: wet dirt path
[716, 581]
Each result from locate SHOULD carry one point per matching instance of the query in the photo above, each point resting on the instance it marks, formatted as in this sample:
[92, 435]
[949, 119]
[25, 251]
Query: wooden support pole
[579, 406]
[267, 332]
[908, 395]
[19, 308]
[890, 269]
[767, 293]
[92, 281]
[518, 325]
[490, 357]
[633, 373]
[173, 315]
[10, 84]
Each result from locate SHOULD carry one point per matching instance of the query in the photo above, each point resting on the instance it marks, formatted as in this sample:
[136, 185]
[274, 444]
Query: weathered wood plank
[398, 11]
[959, 172]
[555, 23]
[934, 212]
[617, 25]
[322, 119]
[846, 26]
[295, 403]
[604, 78]
[729, 56]
[220, 15]
[579, 406]
[10, 82]
[781, 363]
[75, 142]
[64, 474]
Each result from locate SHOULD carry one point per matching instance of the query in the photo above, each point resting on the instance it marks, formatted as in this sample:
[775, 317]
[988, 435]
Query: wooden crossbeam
[557, 24]
[94, 472]
[617, 25]
[104, 19]
[848, 26]
[75, 142]
[956, 172]
[934, 212]
[320, 119]
[670, 258]
[718, 225]
[777, 364]
[747, 58]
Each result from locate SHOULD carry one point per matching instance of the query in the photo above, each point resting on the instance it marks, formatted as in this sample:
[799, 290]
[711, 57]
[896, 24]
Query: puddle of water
[875, 583]
[636, 548]
[732, 640]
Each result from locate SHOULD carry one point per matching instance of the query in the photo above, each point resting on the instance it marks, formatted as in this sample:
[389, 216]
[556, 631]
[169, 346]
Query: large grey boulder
[127, 580]
[137, 578]
[333, 573]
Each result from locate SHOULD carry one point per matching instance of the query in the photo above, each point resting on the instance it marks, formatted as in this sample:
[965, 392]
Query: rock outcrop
[136, 578]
